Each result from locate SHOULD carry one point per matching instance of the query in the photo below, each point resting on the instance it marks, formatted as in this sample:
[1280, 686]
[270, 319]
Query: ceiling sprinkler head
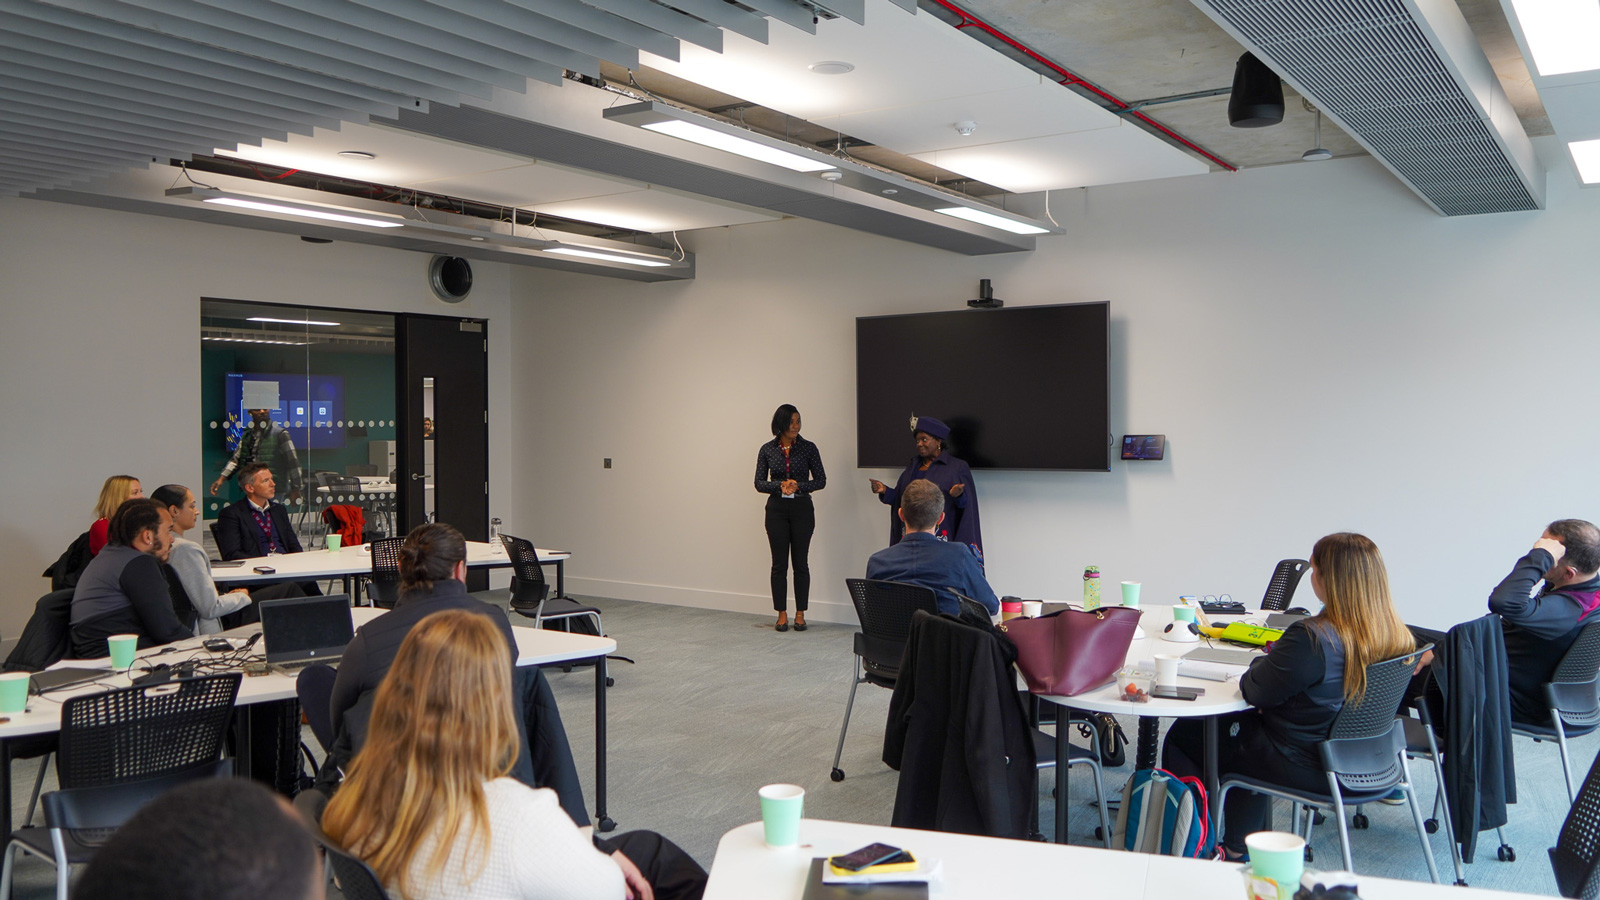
[965, 129]
[1317, 153]
[831, 175]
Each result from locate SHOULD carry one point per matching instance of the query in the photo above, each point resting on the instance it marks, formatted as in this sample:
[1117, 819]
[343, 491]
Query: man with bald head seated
[216, 839]
[123, 590]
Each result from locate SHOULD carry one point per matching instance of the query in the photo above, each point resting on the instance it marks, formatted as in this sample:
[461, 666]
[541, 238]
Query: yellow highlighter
[1243, 632]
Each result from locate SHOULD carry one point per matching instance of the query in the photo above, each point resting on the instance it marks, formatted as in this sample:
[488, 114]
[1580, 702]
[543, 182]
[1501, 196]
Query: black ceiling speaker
[450, 277]
[1257, 99]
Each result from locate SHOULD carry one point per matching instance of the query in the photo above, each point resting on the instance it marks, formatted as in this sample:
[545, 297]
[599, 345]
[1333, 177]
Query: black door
[443, 454]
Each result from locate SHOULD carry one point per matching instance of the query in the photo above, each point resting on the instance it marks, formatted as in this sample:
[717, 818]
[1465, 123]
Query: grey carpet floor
[719, 704]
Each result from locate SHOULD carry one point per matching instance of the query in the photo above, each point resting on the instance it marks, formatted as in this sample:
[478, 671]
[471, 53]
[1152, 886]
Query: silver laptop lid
[300, 628]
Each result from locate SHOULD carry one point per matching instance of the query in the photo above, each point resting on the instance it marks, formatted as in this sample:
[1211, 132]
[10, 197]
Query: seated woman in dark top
[1299, 687]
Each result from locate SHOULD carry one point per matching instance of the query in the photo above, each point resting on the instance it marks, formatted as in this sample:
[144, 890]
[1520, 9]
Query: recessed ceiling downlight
[357, 154]
[832, 67]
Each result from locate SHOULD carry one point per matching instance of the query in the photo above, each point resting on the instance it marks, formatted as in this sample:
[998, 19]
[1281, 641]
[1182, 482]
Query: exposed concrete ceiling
[1147, 49]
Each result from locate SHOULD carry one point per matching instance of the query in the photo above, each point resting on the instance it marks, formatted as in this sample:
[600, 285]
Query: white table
[535, 646]
[985, 867]
[1220, 698]
[347, 561]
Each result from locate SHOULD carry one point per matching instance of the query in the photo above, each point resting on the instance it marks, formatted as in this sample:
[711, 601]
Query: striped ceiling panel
[94, 87]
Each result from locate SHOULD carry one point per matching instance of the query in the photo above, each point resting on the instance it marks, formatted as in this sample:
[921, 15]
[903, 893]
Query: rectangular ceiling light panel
[1563, 35]
[686, 126]
[1586, 156]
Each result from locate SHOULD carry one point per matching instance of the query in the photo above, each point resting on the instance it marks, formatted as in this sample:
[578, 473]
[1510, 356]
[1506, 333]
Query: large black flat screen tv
[1020, 388]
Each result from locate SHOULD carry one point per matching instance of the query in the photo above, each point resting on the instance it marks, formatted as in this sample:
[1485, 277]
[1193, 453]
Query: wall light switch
[608, 462]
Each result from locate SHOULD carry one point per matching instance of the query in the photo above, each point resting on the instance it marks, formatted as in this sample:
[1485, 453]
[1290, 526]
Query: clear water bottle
[495, 545]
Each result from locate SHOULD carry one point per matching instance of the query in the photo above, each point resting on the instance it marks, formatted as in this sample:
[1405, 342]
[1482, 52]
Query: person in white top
[189, 560]
[428, 805]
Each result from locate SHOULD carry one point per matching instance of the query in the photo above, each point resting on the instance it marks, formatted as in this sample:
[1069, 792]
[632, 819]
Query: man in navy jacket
[923, 559]
[255, 526]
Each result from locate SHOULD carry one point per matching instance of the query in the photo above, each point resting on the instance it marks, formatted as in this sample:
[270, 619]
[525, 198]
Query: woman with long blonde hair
[1298, 688]
[428, 804]
[117, 490]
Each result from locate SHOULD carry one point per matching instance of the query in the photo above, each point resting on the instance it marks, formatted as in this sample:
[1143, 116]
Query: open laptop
[299, 631]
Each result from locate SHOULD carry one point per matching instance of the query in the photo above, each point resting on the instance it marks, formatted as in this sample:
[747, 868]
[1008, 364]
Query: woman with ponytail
[433, 577]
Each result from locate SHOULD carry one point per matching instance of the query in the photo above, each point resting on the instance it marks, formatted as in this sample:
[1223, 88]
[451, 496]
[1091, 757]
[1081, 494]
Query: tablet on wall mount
[1144, 446]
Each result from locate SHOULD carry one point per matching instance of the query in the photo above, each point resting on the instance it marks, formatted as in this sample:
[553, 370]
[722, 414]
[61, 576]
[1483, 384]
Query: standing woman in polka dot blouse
[788, 471]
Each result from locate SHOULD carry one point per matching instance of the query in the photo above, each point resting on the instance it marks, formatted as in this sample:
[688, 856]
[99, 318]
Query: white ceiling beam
[654, 15]
[512, 37]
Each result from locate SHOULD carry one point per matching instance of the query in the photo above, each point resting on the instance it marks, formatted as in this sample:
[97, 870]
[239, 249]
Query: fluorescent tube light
[992, 220]
[298, 211]
[716, 140]
[706, 132]
[609, 257]
[228, 340]
[1586, 156]
[1562, 35]
[288, 321]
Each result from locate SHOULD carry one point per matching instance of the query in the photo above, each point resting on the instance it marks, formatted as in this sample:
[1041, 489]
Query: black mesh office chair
[530, 593]
[122, 736]
[1576, 855]
[1574, 703]
[1364, 757]
[1286, 577]
[383, 585]
[355, 878]
[79, 821]
[884, 609]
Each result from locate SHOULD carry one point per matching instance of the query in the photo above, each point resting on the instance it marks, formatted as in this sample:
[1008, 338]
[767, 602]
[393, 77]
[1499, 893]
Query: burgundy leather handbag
[1069, 652]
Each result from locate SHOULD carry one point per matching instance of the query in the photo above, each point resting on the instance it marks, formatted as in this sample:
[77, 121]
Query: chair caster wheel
[566, 670]
[1310, 857]
[1431, 826]
[837, 774]
[1359, 820]
[610, 682]
[1461, 882]
[606, 824]
[1507, 853]
[1099, 833]
[1317, 818]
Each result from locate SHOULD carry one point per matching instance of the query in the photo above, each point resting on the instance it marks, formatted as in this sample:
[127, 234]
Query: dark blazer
[1480, 772]
[922, 559]
[958, 734]
[239, 538]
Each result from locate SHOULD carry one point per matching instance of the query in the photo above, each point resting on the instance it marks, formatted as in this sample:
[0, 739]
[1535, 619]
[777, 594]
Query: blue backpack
[1162, 813]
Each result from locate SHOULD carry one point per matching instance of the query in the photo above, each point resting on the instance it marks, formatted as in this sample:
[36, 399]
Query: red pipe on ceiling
[968, 20]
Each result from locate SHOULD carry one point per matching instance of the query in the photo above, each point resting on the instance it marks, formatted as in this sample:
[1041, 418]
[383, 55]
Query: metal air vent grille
[1371, 66]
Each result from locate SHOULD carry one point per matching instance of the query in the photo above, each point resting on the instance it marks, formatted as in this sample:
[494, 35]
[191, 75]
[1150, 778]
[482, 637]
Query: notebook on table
[299, 631]
[817, 889]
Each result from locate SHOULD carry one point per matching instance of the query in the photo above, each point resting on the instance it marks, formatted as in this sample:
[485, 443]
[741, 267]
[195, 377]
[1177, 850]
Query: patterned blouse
[803, 463]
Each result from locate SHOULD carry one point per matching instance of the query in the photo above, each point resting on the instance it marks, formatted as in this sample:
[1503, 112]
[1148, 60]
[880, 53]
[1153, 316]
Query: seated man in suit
[923, 559]
[255, 525]
[1539, 628]
[123, 591]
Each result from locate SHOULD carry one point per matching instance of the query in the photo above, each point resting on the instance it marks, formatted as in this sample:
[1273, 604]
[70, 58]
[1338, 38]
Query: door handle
[417, 477]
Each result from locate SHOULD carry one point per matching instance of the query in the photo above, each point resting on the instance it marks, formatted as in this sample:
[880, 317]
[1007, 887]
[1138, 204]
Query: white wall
[100, 355]
[1322, 351]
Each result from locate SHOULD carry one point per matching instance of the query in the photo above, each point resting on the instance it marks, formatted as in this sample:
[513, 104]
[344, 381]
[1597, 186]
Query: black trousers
[789, 527]
[671, 872]
[1243, 747]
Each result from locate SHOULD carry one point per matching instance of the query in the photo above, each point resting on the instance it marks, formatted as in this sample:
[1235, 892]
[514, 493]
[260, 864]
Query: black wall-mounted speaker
[1257, 99]
[450, 277]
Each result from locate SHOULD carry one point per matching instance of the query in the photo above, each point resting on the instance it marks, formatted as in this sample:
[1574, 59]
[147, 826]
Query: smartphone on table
[873, 858]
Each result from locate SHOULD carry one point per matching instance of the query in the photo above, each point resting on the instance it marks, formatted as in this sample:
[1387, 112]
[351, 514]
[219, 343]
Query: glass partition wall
[310, 392]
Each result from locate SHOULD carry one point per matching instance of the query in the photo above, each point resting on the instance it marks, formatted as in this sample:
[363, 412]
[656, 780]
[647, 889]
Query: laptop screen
[296, 628]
